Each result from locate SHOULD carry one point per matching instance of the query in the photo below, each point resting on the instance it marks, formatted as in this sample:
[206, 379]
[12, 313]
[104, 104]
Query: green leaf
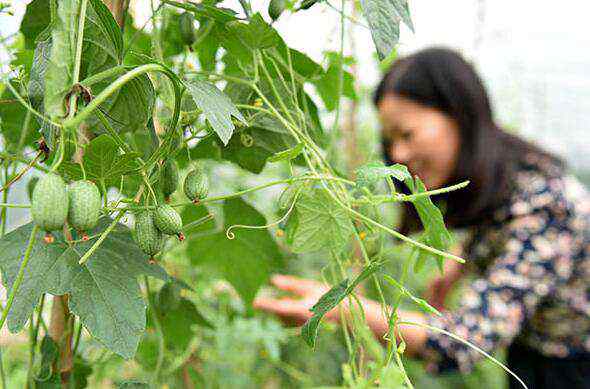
[384, 24]
[276, 8]
[103, 162]
[436, 233]
[206, 11]
[403, 10]
[331, 299]
[36, 19]
[217, 107]
[322, 224]
[102, 48]
[12, 121]
[245, 261]
[176, 323]
[49, 352]
[104, 292]
[129, 108]
[372, 172]
[287, 155]
[328, 84]
[256, 34]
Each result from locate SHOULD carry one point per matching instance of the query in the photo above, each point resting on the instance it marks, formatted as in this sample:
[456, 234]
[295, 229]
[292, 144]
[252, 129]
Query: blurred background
[535, 62]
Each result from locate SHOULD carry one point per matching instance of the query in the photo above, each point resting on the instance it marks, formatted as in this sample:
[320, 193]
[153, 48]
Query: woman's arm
[307, 292]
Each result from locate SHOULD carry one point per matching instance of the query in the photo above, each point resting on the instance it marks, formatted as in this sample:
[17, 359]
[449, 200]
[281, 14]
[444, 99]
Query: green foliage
[331, 299]
[102, 49]
[115, 316]
[371, 173]
[248, 259]
[319, 223]
[217, 108]
[103, 162]
[147, 107]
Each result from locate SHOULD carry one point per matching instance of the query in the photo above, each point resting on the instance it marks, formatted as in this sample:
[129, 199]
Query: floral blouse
[533, 275]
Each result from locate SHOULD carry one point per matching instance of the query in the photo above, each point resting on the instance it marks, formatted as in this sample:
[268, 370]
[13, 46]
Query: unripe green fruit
[196, 185]
[169, 178]
[187, 28]
[49, 207]
[168, 221]
[149, 239]
[84, 206]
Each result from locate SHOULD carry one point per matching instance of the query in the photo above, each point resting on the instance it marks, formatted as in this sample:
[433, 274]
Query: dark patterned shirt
[533, 274]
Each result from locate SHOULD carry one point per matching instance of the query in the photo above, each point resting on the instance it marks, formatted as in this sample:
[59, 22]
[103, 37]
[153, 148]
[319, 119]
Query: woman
[528, 224]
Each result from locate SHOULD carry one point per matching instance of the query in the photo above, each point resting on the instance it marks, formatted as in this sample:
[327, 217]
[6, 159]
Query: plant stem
[19, 276]
[79, 41]
[102, 237]
[465, 342]
[16, 158]
[98, 77]
[8, 205]
[112, 88]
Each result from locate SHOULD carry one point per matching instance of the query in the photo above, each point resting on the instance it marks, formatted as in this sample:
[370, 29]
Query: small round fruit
[187, 28]
[84, 206]
[49, 205]
[168, 221]
[169, 178]
[149, 239]
[196, 185]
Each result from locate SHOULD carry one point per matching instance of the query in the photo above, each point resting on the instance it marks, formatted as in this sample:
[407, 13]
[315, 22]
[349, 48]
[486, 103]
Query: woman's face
[424, 139]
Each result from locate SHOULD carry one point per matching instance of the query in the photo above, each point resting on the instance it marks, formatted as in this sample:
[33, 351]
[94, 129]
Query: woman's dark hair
[440, 78]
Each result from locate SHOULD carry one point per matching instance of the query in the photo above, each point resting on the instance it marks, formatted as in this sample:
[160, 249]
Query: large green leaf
[321, 223]
[104, 292]
[12, 123]
[328, 84]
[435, 231]
[130, 108]
[331, 299]
[384, 24]
[102, 48]
[103, 162]
[36, 19]
[217, 107]
[256, 34]
[245, 261]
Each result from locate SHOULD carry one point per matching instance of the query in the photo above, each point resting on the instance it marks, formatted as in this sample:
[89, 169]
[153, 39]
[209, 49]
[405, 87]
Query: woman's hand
[295, 309]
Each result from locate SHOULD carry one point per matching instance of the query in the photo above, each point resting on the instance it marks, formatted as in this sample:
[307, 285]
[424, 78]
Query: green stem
[98, 77]
[79, 41]
[28, 106]
[111, 89]
[25, 161]
[102, 237]
[397, 197]
[7, 205]
[467, 343]
[19, 276]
